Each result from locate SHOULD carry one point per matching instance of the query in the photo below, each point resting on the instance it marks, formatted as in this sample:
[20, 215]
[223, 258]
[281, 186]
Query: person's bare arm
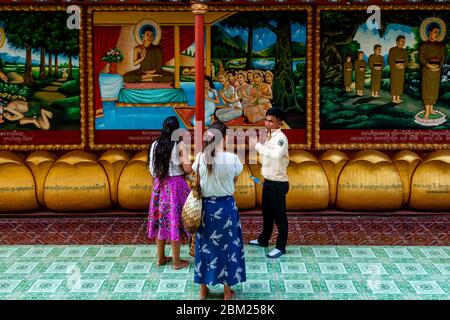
[267, 92]
[224, 97]
[215, 99]
[184, 157]
[138, 55]
[13, 117]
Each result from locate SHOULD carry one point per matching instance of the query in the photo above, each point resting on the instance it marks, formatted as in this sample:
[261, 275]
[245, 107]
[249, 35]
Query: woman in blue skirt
[219, 251]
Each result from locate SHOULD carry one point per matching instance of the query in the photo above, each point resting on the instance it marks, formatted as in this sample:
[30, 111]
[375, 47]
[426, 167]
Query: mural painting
[39, 80]
[143, 70]
[387, 84]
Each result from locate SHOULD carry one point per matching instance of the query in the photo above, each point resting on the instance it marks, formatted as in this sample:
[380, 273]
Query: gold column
[208, 49]
[176, 31]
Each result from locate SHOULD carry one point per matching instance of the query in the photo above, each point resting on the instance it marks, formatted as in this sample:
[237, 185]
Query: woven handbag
[192, 209]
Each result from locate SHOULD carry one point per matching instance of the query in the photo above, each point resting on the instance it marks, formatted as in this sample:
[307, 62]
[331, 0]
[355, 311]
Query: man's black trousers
[274, 211]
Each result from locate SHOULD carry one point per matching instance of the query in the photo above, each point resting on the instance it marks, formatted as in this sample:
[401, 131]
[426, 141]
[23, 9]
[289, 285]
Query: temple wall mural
[366, 105]
[41, 76]
[263, 56]
[250, 66]
[194, 151]
[384, 84]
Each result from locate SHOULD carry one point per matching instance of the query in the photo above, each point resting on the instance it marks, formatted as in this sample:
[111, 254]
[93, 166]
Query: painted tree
[332, 38]
[41, 40]
[58, 36]
[284, 86]
[280, 23]
[338, 29]
[249, 21]
[20, 31]
[71, 49]
[47, 40]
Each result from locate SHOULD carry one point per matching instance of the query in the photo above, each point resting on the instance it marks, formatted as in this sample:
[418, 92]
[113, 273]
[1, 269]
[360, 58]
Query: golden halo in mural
[2, 37]
[424, 28]
[147, 23]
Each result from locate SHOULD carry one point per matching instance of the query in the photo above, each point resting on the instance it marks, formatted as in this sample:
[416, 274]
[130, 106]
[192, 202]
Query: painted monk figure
[431, 58]
[398, 59]
[376, 64]
[348, 72]
[360, 73]
[149, 57]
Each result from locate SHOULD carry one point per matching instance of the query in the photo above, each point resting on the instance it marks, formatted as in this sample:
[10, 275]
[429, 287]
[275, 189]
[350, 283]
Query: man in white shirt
[275, 160]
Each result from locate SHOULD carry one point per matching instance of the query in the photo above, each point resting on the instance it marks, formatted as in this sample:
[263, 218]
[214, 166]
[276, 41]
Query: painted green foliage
[289, 83]
[341, 110]
[46, 82]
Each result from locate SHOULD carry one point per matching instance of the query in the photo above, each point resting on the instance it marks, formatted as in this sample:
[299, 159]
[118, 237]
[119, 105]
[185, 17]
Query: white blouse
[220, 182]
[175, 168]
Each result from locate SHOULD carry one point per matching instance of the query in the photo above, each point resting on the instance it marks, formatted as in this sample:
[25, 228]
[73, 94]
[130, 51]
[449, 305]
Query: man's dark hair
[400, 37]
[276, 112]
[376, 46]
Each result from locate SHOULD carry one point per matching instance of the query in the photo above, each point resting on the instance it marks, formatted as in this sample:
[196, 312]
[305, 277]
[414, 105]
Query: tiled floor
[304, 230]
[306, 272]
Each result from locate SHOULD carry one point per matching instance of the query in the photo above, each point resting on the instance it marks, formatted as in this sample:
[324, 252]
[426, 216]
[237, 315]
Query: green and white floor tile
[306, 272]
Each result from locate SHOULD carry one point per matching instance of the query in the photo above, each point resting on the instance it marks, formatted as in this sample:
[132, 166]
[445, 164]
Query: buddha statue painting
[148, 56]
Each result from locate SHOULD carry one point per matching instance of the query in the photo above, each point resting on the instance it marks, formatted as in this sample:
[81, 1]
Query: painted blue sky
[7, 48]
[263, 37]
[368, 38]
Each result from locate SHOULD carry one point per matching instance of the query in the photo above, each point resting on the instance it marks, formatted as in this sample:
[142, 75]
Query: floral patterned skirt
[219, 251]
[166, 204]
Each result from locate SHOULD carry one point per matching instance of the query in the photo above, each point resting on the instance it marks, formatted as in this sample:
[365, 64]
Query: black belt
[270, 181]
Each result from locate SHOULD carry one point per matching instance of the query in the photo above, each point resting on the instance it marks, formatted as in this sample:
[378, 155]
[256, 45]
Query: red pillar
[199, 10]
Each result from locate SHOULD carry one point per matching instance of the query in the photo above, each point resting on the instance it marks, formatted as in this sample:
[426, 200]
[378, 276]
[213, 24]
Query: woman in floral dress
[168, 162]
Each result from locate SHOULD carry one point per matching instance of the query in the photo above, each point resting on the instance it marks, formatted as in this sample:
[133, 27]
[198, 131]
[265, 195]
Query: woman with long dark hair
[168, 162]
[219, 251]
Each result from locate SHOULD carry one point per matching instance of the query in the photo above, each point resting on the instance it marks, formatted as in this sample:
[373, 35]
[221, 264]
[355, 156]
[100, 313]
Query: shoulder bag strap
[197, 183]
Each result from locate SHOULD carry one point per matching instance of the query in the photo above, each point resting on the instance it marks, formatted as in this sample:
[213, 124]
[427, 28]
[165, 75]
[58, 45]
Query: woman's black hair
[163, 149]
[213, 136]
[211, 83]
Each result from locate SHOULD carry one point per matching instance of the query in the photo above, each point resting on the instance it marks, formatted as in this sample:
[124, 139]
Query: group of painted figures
[431, 58]
[245, 93]
[23, 111]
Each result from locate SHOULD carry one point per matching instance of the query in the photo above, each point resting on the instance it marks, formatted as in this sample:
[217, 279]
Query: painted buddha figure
[149, 58]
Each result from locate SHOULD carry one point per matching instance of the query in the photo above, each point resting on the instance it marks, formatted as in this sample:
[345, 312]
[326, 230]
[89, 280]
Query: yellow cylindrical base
[135, 184]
